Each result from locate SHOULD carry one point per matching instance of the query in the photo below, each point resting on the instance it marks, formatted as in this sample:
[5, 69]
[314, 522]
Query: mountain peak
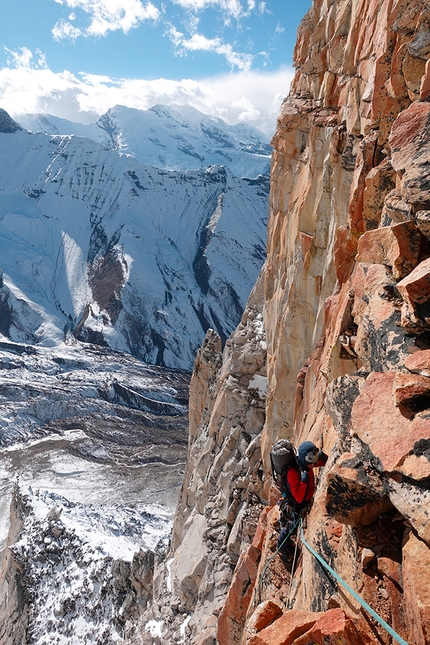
[171, 137]
[7, 124]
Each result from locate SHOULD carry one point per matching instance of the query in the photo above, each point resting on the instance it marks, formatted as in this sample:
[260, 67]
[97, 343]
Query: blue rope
[363, 603]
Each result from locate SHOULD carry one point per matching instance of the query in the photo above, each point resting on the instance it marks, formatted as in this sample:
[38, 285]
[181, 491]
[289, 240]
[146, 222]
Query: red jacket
[302, 492]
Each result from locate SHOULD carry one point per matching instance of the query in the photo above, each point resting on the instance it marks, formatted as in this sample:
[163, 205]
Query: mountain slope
[94, 243]
[169, 137]
[93, 444]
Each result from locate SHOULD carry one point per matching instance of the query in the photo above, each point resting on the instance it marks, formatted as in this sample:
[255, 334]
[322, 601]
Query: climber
[300, 481]
[298, 487]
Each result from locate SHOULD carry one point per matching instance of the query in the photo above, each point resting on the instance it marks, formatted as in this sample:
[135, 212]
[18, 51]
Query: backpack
[282, 457]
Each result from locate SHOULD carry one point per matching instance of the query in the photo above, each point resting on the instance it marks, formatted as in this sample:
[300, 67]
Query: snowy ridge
[78, 564]
[95, 244]
[170, 137]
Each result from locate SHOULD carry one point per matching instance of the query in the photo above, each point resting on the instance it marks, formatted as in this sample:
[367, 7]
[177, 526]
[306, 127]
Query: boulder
[415, 291]
[286, 629]
[380, 425]
[334, 627]
[415, 287]
[411, 390]
[416, 467]
[422, 220]
[265, 614]
[396, 246]
[412, 502]
[419, 362]
[354, 496]
[395, 208]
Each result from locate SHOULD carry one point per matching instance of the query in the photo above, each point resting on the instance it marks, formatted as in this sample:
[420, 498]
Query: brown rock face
[233, 614]
[346, 307]
[416, 562]
[345, 344]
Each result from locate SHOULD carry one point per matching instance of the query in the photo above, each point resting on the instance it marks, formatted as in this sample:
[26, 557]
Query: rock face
[346, 317]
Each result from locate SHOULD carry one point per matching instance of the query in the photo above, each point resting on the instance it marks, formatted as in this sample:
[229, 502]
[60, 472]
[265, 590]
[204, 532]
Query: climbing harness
[362, 602]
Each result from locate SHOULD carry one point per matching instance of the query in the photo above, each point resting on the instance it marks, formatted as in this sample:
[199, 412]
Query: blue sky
[77, 58]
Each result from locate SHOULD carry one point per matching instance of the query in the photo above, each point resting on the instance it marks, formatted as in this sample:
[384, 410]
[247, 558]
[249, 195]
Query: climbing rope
[362, 602]
[293, 567]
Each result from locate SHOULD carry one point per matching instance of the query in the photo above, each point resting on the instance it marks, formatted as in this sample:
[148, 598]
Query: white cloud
[105, 16]
[232, 7]
[254, 97]
[24, 57]
[114, 15]
[64, 29]
[198, 42]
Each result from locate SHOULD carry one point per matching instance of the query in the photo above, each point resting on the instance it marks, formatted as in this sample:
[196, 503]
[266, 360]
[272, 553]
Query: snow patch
[155, 628]
[259, 383]
[183, 628]
[76, 273]
[169, 577]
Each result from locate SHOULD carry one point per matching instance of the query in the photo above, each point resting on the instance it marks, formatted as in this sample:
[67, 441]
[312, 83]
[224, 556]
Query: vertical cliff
[345, 300]
[345, 310]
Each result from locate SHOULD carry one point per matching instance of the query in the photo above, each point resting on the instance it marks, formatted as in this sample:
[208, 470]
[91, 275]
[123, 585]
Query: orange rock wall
[347, 321]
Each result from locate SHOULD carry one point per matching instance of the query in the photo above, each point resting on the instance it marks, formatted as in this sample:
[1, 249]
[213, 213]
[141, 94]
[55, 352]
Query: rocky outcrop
[59, 586]
[347, 325]
[7, 124]
[13, 601]
[346, 314]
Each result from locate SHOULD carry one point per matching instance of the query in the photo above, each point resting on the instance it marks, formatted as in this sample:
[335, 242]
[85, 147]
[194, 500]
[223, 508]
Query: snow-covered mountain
[96, 244]
[169, 137]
